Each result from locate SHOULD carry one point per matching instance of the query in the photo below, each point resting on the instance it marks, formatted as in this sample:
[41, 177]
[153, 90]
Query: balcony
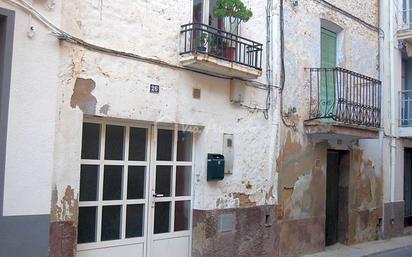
[343, 103]
[211, 50]
[405, 23]
[405, 120]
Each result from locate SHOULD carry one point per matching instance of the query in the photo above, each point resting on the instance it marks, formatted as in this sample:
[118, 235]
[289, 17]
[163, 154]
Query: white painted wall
[392, 81]
[32, 115]
[153, 29]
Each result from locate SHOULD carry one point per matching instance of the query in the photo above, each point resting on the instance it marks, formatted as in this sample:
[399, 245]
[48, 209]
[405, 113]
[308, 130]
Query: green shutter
[328, 49]
[328, 60]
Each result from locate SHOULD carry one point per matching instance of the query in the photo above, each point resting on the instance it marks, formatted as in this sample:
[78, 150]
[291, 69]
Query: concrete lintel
[340, 129]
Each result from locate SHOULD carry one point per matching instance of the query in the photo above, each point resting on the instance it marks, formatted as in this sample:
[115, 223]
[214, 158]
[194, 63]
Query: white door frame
[172, 199]
[150, 177]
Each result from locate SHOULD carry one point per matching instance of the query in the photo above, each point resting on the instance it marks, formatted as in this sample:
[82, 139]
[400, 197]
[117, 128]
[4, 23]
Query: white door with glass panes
[135, 190]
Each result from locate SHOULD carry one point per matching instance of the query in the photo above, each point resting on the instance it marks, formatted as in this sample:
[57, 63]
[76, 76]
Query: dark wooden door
[332, 198]
[407, 188]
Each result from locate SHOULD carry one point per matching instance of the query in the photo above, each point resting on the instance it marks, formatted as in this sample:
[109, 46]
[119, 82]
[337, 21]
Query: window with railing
[405, 108]
[406, 14]
[340, 95]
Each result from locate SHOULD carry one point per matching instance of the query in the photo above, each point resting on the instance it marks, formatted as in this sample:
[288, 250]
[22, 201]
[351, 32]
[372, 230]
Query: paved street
[395, 247]
[398, 253]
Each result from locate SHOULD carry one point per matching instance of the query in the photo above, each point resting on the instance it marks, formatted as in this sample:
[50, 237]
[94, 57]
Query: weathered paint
[302, 158]
[113, 87]
[255, 233]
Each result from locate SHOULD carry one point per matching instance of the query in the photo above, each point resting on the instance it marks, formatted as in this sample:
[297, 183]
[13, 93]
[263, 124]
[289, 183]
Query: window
[407, 13]
[203, 13]
[112, 182]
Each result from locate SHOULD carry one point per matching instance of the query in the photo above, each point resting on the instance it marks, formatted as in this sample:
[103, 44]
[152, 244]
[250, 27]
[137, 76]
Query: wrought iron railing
[405, 97]
[340, 95]
[204, 39]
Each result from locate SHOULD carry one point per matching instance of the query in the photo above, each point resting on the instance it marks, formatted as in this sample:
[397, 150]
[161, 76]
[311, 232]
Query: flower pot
[229, 53]
[201, 49]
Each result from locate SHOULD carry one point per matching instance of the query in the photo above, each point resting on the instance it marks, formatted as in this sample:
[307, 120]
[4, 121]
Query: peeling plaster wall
[302, 160]
[96, 84]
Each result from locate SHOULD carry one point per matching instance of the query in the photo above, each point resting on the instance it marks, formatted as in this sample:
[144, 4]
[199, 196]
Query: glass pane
[112, 183]
[134, 220]
[163, 180]
[164, 145]
[91, 141]
[162, 218]
[182, 213]
[214, 21]
[184, 146]
[111, 222]
[137, 144]
[88, 182]
[197, 11]
[87, 225]
[183, 180]
[136, 182]
[114, 142]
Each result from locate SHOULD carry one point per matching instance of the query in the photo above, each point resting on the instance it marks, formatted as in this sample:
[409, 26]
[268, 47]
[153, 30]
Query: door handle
[158, 195]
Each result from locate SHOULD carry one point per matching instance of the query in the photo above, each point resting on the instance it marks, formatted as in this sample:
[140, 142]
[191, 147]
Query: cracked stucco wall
[96, 84]
[302, 160]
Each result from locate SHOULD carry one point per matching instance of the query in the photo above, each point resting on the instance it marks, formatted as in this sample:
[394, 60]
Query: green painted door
[328, 60]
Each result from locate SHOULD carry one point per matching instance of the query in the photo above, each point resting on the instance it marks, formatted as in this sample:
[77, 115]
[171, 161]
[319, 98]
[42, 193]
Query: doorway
[337, 177]
[135, 190]
[407, 188]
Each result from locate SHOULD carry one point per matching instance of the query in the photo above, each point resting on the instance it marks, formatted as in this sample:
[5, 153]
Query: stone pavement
[381, 248]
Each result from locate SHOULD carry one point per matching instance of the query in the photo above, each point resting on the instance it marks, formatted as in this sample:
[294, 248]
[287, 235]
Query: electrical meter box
[215, 167]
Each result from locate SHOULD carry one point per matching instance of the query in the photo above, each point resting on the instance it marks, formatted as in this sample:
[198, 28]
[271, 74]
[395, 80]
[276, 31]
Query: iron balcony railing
[340, 95]
[405, 97]
[204, 39]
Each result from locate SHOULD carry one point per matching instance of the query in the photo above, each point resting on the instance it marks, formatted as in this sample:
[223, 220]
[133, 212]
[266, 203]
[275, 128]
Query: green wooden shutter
[328, 60]
[328, 49]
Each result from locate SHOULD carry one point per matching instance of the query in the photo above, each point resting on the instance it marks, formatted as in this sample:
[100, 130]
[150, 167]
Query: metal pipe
[392, 105]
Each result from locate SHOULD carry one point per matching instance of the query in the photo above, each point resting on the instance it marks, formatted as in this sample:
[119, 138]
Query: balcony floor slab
[405, 132]
[327, 129]
[210, 64]
[405, 34]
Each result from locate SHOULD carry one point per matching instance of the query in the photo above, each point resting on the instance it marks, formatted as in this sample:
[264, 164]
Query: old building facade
[116, 115]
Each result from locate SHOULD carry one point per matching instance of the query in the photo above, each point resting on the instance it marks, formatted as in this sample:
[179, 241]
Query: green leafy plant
[232, 8]
[203, 39]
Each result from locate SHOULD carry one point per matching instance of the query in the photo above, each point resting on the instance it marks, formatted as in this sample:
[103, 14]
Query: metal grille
[204, 39]
[406, 15]
[405, 108]
[341, 95]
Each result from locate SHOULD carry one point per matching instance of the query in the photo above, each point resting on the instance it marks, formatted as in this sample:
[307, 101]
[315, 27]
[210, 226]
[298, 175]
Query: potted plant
[233, 13]
[215, 44]
[202, 41]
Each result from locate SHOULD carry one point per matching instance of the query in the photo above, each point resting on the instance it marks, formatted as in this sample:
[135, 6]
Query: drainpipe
[392, 103]
[270, 48]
